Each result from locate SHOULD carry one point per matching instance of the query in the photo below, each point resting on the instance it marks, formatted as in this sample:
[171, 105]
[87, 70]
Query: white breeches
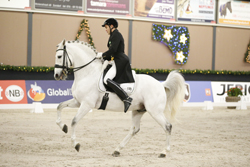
[111, 73]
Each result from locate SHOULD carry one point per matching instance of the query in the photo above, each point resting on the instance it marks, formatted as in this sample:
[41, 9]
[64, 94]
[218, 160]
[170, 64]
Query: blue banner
[198, 91]
[48, 91]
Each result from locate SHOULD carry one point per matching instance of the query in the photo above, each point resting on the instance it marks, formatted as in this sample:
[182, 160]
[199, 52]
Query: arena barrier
[208, 105]
[42, 94]
[37, 107]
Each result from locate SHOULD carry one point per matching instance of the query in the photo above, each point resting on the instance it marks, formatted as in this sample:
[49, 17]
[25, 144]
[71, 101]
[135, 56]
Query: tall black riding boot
[120, 93]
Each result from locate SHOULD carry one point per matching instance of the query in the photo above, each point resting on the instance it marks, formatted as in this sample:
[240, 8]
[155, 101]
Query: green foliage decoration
[247, 54]
[39, 69]
[85, 25]
[235, 92]
[26, 68]
[197, 71]
[176, 38]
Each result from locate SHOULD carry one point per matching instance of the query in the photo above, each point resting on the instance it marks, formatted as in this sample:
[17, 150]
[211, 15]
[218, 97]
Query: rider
[120, 72]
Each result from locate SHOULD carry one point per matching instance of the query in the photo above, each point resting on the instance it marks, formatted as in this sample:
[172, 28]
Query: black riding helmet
[111, 21]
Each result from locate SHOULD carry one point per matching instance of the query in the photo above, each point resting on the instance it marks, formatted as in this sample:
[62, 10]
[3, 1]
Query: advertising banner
[163, 9]
[51, 91]
[220, 90]
[234, 12]
[48, 91]
[14, 4]
[198, 91]
[196, 11]
[118, 7]
[70, 5]
[13, 92]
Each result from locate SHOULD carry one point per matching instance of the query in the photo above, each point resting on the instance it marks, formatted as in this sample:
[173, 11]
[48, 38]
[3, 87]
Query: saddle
[127, 87]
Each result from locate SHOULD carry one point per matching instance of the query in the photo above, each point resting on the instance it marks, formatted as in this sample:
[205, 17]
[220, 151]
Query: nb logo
[14, 93]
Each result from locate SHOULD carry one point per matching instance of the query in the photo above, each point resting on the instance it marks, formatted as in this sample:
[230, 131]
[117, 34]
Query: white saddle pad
[127, 87]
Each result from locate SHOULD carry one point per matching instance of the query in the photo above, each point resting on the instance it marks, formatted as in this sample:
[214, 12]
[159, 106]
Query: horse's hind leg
[136, 118]
[69, 103]
[167, 127]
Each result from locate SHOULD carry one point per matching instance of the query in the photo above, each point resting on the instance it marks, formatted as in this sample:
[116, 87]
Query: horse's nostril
[56, 75]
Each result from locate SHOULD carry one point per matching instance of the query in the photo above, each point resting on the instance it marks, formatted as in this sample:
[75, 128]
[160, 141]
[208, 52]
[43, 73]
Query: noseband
[65, 67]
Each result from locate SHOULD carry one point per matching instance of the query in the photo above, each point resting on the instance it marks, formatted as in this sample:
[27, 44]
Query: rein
[64, 67]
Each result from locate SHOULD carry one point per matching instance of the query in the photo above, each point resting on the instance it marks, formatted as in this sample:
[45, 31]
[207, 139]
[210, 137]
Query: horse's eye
[59, 57]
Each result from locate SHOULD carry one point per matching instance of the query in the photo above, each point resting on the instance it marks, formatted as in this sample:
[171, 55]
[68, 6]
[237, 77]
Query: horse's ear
[63, 42]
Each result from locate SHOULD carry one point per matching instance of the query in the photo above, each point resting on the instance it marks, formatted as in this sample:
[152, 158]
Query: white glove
[99, 55]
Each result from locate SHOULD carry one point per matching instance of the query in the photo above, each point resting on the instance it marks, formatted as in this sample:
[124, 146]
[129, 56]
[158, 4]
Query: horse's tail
[175, 90]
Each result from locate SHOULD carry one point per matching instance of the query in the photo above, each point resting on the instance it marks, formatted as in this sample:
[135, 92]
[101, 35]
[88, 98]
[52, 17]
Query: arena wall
[50, 29]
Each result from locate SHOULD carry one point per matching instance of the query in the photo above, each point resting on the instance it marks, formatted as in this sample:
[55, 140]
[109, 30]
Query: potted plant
[233, 96]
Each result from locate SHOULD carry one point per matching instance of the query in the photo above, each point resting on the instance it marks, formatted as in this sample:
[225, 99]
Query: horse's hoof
[116, 154]
[65, 128]
[162, 156]
[77, 147]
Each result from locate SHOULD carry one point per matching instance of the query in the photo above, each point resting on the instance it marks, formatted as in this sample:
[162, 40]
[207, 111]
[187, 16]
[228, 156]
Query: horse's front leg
[69, 103]
[83, 110]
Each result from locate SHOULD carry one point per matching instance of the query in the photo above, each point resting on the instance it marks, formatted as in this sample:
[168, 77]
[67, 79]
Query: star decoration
[167, 35]
[183, 39]
[180, 56]
[176, 38]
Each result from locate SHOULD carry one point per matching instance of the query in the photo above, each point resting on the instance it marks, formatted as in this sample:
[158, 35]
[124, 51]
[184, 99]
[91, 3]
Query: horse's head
[75, 54]
[229, 6]
[62, 62]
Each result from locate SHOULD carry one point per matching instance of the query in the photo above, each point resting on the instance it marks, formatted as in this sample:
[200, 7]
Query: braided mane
[84, 43]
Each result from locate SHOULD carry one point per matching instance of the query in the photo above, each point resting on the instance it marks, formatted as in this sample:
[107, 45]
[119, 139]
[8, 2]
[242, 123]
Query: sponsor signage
[196, 11]
[14, 3]
[198, 91]
[234, 12]
[220, 90]
[48, 91]
[118, 7]
[23, 92]
[70, 5]
[13, 92]
[164, 9]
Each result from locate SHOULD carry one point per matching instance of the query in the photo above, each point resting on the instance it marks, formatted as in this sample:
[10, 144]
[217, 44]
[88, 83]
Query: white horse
[156, 98]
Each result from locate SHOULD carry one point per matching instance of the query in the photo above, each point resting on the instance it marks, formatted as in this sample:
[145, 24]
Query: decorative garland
[161, 33]
[197, 71]
[85, 25]
[138, 71]
[247, 54]
[176, 38]
[26, 68]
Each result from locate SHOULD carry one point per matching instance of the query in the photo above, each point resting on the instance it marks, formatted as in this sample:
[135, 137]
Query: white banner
[14, 3]
[196, 11]
[234, 12]
[220, 89]
[164, 9]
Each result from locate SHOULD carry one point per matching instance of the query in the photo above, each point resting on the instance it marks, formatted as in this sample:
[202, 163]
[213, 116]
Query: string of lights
[138, 71]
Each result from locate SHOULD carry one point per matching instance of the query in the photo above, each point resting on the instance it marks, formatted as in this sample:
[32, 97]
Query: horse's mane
[84, 44]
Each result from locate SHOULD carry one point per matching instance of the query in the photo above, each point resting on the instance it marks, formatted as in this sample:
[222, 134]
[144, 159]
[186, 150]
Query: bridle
[64, 66]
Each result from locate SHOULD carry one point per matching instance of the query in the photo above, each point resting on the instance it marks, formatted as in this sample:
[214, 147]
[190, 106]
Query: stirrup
[127, 103]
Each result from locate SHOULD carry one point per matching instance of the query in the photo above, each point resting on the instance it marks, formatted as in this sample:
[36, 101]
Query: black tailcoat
[116, 52]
